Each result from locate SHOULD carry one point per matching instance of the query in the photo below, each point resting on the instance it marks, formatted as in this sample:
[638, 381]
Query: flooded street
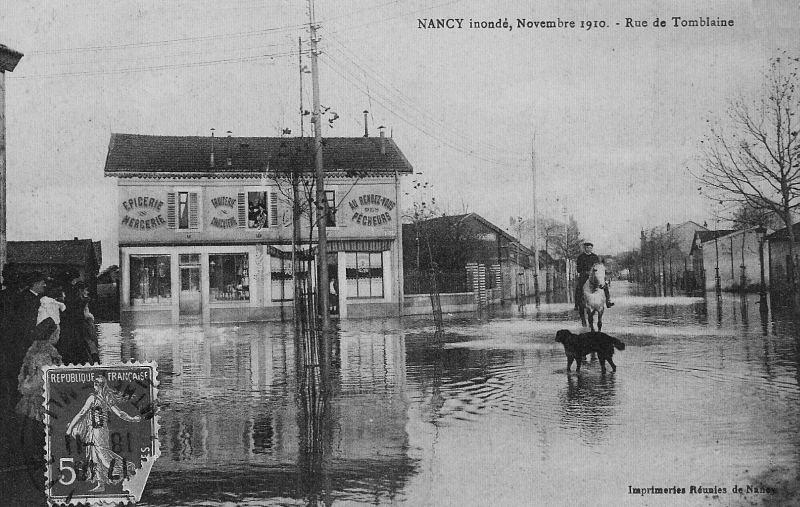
[705, 395]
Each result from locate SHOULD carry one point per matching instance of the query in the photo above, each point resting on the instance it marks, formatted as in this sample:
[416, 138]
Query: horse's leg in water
[582, 312]
[600, 319]
[591, 319]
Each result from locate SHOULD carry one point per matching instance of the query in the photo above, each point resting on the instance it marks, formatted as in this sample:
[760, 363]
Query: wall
[730, 279]
[142, 211]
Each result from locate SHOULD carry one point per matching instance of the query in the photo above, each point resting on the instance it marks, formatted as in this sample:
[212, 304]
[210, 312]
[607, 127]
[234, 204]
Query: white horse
[594, 297]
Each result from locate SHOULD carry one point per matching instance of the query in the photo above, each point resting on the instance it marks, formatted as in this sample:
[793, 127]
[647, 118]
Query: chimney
[230, 160]
[366, 127]
[383, 140]
[211, 159]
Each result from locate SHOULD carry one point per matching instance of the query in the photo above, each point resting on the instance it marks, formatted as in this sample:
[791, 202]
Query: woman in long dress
[42, 352]
[90, 424]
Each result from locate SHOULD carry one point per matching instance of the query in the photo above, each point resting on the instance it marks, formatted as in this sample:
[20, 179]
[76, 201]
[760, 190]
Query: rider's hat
[588, 243]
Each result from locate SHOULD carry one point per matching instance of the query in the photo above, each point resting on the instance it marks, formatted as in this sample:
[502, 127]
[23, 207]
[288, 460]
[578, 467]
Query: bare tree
[754, 159]
[746, 216]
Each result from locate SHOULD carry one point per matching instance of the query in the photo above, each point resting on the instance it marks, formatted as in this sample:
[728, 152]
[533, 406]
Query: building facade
[82, 257]
[456, 242]
[206, 225]
[737, 256]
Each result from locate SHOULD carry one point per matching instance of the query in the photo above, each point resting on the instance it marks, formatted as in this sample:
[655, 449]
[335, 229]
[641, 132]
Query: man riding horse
[585, 262]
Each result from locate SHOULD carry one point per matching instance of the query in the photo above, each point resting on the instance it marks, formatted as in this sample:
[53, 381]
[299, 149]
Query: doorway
[189, 302]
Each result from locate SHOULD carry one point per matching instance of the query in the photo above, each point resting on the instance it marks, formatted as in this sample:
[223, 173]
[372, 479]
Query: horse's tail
[618, 344]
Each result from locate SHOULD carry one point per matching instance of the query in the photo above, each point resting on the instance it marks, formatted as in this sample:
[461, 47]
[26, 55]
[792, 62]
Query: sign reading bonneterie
[372, 210]
[225, 212]
[143, 212]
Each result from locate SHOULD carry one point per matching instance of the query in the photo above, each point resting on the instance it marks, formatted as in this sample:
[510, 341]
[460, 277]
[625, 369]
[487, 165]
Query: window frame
[194, 220]
[370, 278]
[160, 300]
[331, 209]
[270, 192]
[211, 275]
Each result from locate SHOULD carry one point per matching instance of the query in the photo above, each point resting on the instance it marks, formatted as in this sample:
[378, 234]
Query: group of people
[43, 321]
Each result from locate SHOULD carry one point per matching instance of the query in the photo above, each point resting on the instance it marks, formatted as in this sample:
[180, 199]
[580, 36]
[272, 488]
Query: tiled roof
[146, 155]
[67, 252]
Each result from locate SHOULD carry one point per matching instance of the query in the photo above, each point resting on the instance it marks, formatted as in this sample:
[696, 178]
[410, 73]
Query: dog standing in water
[578, 346]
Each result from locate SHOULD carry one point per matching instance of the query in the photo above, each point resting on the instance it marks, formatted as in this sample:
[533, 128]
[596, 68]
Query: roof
[456, 219]
[783, 234]
[706, 235]
[132, 155]
[8, 58]
[72, 252]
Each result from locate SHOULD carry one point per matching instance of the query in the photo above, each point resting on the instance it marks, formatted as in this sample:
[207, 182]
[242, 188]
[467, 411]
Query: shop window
[150, 279]
[229, 278]
[183, 210]
[330, 198]
[364, 274]
[262, 209]
[281, 274]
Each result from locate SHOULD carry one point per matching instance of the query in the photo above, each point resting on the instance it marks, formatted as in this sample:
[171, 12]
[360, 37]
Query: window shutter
[194, 211]
[273, 208]
[172, 218]
[242, 209]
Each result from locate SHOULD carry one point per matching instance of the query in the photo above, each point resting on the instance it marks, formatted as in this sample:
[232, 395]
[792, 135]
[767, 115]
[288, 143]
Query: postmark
[101, 432]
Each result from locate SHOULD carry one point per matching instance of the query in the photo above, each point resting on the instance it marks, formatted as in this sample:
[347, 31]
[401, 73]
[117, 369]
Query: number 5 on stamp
[101, 436]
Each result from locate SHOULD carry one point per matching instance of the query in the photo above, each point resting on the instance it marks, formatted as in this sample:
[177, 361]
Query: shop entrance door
[189, 302]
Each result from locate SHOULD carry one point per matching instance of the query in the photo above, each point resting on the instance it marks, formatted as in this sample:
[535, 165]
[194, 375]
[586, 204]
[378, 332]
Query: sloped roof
[132, 155]
[72, 252]
[706, 235]
[9, 58]
[456, 219]
[783, 234]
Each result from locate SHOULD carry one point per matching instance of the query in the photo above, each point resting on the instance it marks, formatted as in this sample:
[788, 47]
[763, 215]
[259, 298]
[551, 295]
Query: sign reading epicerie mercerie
[225, 211]
[143, 212]
[372, 210]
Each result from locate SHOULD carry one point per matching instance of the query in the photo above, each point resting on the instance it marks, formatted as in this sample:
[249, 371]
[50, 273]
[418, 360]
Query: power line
[131, 45]
[223, 51]
[465, 144]
[162, 67]
[411, 103]
[414, 125]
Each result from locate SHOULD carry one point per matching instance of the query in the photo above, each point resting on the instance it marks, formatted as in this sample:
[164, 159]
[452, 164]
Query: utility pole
[535, 225]
[8, 62]
[322, 202]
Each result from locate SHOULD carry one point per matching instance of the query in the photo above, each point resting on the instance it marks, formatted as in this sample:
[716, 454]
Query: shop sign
[225, 212]
[372, 210]
[143, 213]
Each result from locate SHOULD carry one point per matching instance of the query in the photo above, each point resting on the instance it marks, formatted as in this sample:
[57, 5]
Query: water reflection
[587, 404]
[246, 414]
[488, 415]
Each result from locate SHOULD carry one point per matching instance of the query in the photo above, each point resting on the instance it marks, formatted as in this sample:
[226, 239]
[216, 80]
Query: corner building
[205, 225]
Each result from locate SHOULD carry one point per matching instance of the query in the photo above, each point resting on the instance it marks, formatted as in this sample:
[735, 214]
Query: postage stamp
[101, 432]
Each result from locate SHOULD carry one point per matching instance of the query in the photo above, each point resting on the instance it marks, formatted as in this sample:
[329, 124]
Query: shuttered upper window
[183, 210]
[261, 210]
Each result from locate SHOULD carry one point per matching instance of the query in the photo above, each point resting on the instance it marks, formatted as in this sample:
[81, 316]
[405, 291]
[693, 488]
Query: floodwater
[706, 395]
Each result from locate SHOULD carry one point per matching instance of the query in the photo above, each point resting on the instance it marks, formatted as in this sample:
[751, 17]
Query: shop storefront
[201, 241]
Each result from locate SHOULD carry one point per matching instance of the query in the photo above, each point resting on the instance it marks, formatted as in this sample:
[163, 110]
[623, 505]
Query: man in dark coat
[78, 343]
[584, 264]
[21, 330]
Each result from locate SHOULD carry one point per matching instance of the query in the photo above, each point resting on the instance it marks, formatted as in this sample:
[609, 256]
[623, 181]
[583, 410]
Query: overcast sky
[617, 113]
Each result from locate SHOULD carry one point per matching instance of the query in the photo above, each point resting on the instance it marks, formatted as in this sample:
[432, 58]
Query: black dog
[578, 346]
